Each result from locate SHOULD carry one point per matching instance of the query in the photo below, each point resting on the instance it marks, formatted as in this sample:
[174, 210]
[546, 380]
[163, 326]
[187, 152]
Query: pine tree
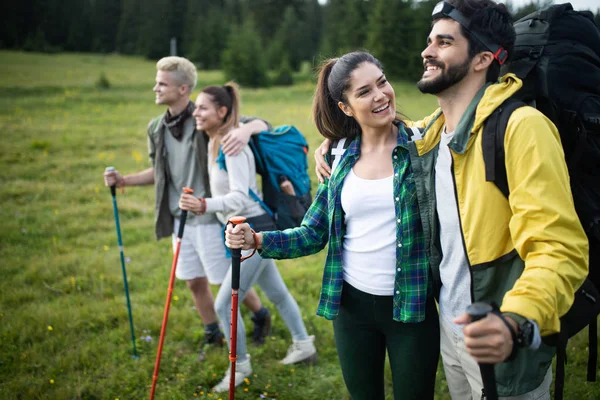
[79, 27]
[344, 26]
[289, 42]
[153, 40]
[129, 27]
[388, 35]
[313, 17]
[209, 37]
[104, 20]
[243, 59]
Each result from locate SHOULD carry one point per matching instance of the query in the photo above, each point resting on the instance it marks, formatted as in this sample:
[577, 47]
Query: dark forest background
[246, 38]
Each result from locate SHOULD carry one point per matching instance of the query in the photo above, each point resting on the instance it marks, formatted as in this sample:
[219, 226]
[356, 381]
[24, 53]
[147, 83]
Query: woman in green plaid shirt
[376, 284]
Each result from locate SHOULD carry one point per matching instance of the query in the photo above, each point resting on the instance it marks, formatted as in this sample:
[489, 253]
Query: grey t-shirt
[455, 294]
[184, 169]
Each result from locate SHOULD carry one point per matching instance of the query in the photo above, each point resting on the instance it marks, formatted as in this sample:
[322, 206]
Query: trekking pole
[478, 311]
[163, 329]
[236, 259]
[113, 192]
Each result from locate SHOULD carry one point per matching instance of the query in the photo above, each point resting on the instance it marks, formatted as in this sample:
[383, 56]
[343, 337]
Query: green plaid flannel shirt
[324, 223]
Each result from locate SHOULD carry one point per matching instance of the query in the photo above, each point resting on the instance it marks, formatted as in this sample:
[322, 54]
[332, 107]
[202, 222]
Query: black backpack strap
[492, 144]
[561, 360]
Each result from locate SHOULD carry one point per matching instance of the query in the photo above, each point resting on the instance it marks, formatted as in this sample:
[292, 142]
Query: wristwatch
[525, 334]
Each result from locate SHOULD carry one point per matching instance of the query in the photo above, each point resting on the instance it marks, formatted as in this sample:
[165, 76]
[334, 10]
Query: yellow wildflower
[137, 156]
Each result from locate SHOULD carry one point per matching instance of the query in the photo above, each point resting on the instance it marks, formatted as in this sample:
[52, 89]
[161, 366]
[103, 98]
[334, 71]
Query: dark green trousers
[364, 330]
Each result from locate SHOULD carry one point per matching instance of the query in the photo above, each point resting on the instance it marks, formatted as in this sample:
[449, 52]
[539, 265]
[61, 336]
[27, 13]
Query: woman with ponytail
[230, 178]
[376, 284]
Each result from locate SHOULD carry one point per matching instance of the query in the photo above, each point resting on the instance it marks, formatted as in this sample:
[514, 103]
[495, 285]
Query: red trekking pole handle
[163, 329]
[479, 311]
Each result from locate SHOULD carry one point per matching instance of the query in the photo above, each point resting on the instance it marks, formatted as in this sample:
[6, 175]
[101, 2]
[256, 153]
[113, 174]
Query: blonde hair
[183, 70]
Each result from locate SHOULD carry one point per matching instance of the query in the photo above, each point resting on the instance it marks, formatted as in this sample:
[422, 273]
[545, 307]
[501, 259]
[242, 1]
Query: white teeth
[381, 108]
[432, 68]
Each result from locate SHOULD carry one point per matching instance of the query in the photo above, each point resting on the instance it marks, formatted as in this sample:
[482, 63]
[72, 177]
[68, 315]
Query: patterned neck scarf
[175, 123]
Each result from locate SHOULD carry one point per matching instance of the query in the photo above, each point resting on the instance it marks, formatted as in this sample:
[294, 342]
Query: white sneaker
[301, 351]
[242, 371]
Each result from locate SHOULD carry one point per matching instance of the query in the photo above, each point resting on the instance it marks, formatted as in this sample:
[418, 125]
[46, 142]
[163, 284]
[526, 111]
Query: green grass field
[64, 330]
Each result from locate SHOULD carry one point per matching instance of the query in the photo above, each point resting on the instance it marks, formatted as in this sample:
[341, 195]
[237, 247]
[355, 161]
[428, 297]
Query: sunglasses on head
[447, 10]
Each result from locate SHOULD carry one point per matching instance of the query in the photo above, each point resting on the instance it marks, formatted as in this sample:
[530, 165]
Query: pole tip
[188, 190]
[236, 220]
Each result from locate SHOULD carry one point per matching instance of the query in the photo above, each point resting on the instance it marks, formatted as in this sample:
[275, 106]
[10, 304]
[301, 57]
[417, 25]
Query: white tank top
[369, 245]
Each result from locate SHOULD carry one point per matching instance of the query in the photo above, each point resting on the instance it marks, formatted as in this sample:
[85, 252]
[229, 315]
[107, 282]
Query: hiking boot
[242, 371]
[301, 351]
[262, 328]
[211, 340]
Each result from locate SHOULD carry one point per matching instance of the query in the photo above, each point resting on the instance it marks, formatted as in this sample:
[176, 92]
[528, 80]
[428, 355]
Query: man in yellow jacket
[529, 252]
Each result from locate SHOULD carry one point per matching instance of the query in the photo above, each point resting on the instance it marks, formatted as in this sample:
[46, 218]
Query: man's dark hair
[489, 19]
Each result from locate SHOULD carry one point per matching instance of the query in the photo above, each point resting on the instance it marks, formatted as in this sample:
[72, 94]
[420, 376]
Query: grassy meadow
[64, 331]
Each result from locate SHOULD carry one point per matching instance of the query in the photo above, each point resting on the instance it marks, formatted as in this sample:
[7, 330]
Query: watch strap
[513, 333]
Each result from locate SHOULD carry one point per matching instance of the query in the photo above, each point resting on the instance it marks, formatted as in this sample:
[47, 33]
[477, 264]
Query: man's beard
[447, 78]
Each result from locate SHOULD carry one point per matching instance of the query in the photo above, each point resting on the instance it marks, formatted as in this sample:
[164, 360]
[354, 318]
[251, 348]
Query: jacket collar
[487, 99]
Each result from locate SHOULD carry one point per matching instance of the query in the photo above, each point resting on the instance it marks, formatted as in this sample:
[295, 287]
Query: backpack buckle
[536, 52]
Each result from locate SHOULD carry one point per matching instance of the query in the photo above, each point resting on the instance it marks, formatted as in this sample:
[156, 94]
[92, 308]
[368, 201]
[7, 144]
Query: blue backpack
[280, 155]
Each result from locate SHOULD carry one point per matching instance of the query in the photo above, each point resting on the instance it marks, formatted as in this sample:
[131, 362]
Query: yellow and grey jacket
[529, 252]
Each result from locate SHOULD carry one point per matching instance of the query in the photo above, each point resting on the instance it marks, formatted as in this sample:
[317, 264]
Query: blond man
[178, 153]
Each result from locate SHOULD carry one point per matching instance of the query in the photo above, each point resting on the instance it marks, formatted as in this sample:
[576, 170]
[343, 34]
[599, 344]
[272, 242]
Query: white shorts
[202, 253]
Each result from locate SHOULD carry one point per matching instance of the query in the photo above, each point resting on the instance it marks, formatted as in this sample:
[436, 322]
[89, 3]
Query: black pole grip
[182, 223]
[479, 311]
[236, 256]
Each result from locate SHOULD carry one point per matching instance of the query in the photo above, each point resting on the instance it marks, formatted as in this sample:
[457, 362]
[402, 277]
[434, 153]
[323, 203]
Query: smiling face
[167, 89]
[445, 59]
[208, 116]
[370, 99]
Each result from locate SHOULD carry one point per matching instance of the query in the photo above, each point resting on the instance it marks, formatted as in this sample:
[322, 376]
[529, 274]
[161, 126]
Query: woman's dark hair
[334, 79]
[227, 96]
[489, 19]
